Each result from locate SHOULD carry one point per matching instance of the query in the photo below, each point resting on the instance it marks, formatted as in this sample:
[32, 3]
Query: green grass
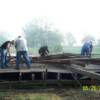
[12, 95]
[57, 94]
[96, 50]
[75, 50]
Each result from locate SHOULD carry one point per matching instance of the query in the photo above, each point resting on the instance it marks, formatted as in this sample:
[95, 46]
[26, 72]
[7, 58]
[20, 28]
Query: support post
[33, 76]
[58, 76]
[20, 76]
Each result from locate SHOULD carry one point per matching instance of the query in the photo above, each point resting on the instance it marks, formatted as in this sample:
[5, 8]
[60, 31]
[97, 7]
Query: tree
[70, 39]
[98, 42]
[39, 34]
[2, 37]
[88, 38]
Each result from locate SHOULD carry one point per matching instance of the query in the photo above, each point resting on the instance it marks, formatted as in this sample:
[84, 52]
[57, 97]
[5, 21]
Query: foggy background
[63, 25]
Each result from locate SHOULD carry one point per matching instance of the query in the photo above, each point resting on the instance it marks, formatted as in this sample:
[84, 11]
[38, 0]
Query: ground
[69, 93]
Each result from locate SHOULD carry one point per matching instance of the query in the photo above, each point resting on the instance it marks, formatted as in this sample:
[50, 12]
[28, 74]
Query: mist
[61, 24]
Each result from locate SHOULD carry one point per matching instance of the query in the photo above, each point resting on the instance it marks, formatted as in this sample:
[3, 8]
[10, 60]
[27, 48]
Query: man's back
[21, 44]
[86, 46]
[21, 48]
[5, 45]
[43, 51]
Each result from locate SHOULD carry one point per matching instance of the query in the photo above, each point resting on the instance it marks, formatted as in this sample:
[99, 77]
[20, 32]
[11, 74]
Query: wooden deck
[58, 64]
[49, 68]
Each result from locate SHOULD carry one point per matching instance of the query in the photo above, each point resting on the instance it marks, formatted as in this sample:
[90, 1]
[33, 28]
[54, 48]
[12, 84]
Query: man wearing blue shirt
[87, 48]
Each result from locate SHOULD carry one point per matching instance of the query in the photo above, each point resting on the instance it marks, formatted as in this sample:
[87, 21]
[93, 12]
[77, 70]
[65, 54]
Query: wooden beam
[83, 64]
[78, 69]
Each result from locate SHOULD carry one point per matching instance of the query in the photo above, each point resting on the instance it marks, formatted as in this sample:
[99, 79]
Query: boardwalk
[55, 66]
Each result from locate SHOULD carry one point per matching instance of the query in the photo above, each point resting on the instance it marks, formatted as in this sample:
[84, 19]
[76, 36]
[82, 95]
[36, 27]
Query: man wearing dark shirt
[43, 51]
[4, 50]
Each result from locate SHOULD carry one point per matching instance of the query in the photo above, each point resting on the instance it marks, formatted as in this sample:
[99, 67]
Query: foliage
[43, 34]
[70, 39]
[88, 38]
[98, 42]
[2, 38]
[13, 95]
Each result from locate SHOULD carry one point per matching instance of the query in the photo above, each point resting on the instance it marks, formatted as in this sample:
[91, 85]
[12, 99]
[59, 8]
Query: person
[91, 48]
[4, 50]
[21, 50]
[87, 49]
[43, 51]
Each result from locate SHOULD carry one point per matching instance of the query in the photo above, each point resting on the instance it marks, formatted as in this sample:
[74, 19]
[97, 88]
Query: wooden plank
[83, 64]
[61, 59]
[22, 70]
[78, 69]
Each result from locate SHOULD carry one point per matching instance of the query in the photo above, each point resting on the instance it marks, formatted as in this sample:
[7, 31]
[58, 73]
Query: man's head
[19, 36]
[12, 42]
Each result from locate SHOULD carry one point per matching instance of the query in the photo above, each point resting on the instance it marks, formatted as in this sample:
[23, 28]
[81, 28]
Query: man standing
[21, 50]
[4, 50]
[87, 49]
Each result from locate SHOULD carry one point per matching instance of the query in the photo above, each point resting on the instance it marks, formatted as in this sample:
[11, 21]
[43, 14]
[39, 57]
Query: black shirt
[5, 44]
[43, 51]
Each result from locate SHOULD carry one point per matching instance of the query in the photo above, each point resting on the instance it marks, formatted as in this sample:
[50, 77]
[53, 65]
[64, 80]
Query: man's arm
[8, 49]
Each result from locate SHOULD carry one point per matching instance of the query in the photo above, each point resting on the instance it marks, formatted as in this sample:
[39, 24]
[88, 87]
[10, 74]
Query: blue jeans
[85, 51]
[25, 56]
[3, 58]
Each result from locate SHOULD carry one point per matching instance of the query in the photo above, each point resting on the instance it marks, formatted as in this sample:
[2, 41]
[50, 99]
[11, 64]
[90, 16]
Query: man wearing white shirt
[21, 50]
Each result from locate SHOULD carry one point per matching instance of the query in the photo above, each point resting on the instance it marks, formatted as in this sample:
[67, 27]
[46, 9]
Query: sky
[80, 17]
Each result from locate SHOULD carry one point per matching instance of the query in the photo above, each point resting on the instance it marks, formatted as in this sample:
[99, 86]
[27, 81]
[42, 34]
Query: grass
[56, 94]
[76, 50]
[28, 96]
[96, 50]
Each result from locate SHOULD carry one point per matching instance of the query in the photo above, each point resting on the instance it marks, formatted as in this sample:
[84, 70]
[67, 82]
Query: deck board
[49, 68]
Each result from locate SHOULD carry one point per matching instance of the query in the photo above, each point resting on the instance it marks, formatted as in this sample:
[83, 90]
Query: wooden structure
[54, 67]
